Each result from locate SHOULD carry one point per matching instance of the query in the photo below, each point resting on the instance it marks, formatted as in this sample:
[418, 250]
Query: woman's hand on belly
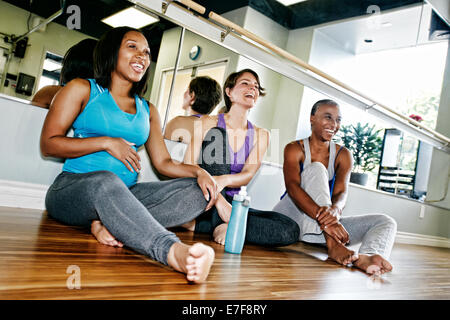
[122, 149]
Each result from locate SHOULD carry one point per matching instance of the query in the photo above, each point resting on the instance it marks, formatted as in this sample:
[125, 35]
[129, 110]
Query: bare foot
[103, 236]
[374, 264]
[339, 253]
[223, 208]
[189, 225]
[195, 261]
[220, 233]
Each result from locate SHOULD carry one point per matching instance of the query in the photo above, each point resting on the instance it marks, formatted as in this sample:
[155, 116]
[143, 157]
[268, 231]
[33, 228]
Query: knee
[318, 171]
[387, 221]
[290, 231]
[106, 182]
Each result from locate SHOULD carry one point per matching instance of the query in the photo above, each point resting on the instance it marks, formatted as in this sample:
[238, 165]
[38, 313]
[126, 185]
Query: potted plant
[365, 144]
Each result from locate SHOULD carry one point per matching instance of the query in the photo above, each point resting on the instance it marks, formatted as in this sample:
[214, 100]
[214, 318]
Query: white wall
[168, 53]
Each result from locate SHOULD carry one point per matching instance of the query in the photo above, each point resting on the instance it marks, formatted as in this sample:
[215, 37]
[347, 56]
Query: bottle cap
[243, 191]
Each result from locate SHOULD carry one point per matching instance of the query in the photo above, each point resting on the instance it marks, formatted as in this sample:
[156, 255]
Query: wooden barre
[214, 16]
[193, 5]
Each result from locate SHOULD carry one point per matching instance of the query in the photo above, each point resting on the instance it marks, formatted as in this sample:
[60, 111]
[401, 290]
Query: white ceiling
[387, 30]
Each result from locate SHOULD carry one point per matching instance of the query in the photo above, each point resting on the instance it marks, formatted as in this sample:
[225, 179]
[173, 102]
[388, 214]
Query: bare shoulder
[75, 93]
[208, 122]
[78, 84]
[344, 157]
[294, 150]
[262, 134]
[152, 108]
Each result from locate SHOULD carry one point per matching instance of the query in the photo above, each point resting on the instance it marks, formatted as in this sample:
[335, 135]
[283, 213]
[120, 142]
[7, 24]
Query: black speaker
[25, 84]
[21, 46]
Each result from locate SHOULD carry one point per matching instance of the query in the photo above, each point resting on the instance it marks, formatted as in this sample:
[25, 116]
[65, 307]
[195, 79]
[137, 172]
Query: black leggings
[267, 228]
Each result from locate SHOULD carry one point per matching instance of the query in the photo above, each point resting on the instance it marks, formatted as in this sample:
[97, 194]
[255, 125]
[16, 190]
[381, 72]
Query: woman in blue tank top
[239, 149]
[98, 186]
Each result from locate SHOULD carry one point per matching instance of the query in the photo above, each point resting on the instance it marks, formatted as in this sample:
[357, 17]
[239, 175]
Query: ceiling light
[289, 2]
[131, 17]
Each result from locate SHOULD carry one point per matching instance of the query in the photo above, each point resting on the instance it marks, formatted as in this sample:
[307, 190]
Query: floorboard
[36, 252]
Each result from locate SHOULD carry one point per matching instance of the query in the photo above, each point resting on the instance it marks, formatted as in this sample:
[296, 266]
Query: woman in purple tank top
[200, 98]
[231, 149]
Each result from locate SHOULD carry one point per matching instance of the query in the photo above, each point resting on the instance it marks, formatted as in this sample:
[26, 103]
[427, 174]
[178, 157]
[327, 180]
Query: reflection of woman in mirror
[97, 187]
[200, 98]
[78, 62]
[239, 148]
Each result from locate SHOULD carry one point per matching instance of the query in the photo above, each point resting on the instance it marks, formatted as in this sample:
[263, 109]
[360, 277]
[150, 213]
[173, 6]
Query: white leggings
[375, 232]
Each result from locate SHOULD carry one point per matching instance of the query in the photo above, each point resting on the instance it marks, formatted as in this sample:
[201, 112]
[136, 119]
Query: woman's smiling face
[245, 92]
[134, 57]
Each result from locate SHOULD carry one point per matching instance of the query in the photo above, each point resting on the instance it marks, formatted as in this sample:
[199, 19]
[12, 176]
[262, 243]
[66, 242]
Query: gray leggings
[136, 216]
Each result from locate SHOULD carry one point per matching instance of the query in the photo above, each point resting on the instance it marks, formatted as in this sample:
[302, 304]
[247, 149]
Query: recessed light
[289, 2]
[130, 17]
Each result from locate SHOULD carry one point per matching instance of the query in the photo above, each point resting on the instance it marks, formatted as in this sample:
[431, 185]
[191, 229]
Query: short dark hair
[105, 60]
[321, 103]
[207, 94]
[231, 82]
[78, 61]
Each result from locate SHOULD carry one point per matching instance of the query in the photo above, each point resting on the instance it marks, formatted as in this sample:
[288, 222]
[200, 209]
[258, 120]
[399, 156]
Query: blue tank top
[103, 117]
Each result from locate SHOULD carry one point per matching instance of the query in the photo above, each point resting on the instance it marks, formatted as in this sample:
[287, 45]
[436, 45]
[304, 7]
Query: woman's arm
[66, 106]
[165, 165]
[252, 164]
[344, 164]
[201, 128]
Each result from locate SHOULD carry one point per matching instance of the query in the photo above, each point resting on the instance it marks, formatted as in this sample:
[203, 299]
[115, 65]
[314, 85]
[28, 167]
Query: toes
[373, 269]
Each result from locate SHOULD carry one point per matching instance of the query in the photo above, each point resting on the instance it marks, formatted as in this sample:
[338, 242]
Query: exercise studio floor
[40, 258]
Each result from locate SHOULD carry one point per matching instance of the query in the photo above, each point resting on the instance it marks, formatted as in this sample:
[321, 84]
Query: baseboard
[422, 240]
[22, 195]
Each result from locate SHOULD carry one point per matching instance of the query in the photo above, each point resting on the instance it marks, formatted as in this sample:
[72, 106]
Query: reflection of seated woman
[77, 63]
[232, 151]
[200, 98]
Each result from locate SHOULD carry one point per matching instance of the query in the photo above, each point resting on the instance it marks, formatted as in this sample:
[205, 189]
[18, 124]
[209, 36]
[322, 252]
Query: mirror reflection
[395, 53]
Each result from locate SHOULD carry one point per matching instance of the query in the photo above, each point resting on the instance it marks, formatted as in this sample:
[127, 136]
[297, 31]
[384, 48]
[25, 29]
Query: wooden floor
[36, 252]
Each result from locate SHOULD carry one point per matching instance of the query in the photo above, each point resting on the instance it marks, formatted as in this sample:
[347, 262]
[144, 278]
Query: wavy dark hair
[105, 60]
[231, 82]
[207, 94]
[78, 61]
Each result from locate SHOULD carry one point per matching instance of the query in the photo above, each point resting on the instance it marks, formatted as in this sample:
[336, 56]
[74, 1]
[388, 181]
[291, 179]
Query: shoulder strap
[221, 121]
[331, 158]
[96, 89]
[250, 135]
[307, 152]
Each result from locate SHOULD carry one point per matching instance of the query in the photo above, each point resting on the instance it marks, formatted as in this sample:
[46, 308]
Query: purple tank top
[238, 158]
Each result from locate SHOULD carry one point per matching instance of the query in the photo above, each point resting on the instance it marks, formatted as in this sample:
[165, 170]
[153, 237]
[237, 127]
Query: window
[51, 70]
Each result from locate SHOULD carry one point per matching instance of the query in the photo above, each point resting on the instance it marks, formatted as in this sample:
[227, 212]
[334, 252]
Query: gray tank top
[331, 158]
